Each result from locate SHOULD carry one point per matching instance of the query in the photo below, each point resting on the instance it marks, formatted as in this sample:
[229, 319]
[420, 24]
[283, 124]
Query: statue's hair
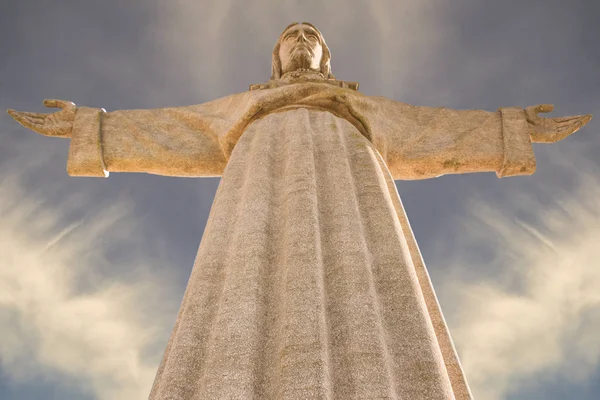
[325, 69]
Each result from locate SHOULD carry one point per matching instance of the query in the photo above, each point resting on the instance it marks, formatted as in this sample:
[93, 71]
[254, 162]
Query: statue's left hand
[551, 130]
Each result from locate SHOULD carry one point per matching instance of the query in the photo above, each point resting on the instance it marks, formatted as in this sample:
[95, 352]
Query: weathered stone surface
[308, 283]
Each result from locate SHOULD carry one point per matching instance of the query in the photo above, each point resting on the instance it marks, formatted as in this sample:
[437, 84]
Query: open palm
[551, 130]
[59, 124]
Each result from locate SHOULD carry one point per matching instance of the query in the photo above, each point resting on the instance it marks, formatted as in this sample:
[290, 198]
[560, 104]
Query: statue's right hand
[59, 124]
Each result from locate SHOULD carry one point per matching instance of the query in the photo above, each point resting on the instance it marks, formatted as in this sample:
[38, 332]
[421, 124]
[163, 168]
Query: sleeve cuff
[519, 158]
[85, 150]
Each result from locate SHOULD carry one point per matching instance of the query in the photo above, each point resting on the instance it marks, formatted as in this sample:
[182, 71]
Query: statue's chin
[302, 56]
[300, 60]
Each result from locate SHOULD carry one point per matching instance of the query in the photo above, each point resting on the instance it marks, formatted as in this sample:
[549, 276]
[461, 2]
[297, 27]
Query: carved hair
[325, 59]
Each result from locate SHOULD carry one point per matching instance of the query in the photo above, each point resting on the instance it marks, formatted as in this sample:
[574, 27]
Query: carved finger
[544, 108]
[31, 122]
[570, 128]
[586, 118]
[32, 115]
[29, 117]
[55, 103]
[12, 113]
[579, 118]
[572, 124]
[531, 112]
[567, 120]
[34, 121]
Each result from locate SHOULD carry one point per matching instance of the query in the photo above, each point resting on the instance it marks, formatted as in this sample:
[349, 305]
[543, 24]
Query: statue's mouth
[300, 47]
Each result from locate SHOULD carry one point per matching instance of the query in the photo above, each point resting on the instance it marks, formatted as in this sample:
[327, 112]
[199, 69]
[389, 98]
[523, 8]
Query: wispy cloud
[539, 316]
[104, 337]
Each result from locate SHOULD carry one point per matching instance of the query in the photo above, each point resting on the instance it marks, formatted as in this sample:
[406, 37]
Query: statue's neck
[303, 75]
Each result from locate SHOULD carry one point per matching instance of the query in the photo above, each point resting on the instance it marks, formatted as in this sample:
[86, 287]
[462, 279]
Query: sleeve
[424, 142]
[168, 141]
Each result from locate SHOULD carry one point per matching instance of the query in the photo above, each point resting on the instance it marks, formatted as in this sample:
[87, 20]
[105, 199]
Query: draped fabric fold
[308, 282]
[304, 286]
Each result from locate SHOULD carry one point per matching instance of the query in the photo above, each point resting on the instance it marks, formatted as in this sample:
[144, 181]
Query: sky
[92, 271]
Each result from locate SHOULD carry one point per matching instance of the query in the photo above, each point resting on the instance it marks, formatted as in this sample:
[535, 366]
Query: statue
[308, 283]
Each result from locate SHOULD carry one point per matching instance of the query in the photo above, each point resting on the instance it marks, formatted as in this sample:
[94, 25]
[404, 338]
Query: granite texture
[308, 282]
[416, 142]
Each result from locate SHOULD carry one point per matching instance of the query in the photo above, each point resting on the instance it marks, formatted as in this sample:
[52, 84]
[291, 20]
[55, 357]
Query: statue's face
[300, 47]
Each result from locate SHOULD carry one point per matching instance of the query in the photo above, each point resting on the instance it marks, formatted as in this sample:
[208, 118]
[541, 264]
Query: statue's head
[301, 45]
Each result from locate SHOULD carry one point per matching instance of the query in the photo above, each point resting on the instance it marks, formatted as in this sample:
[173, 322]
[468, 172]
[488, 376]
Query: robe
[308, 283]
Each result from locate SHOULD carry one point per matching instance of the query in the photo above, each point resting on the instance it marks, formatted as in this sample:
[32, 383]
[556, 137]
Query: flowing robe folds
[308, 283]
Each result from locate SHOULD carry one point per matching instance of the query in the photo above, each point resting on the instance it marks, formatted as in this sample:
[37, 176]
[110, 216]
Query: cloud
[58, 315]
[538, 317]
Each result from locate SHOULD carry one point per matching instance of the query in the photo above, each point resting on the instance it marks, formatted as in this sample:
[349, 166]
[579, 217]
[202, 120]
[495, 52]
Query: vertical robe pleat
[304, 286]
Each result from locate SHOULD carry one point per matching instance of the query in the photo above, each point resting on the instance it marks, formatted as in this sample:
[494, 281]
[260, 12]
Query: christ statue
[308, 283]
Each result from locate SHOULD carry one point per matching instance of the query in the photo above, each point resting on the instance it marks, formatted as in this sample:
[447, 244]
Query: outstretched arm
[424, 142]
[168, 141]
